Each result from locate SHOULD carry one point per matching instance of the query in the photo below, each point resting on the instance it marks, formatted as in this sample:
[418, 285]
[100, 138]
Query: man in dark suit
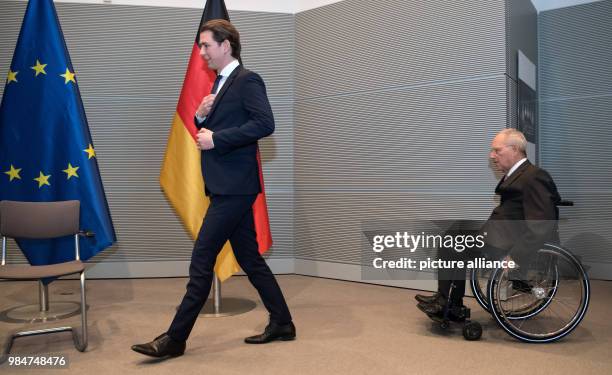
[525, 218]
[231, 120]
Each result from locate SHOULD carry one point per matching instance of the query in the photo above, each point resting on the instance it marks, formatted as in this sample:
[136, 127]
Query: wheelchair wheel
[479, 281]
[546, 302]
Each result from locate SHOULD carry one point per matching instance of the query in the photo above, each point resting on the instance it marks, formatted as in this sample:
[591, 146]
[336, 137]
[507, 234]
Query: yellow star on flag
[90, 151]
[68, 76]
[39, 68]
[12, 76]
[13, 173]
[42, 180]
[71, 171]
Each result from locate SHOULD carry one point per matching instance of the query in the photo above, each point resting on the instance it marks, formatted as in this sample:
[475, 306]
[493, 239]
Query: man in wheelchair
[525, 218]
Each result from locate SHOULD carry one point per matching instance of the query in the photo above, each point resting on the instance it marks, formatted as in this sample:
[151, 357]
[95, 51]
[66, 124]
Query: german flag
[181, 176]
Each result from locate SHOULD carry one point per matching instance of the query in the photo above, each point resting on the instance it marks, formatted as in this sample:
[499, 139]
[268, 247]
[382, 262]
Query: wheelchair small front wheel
[472, 331]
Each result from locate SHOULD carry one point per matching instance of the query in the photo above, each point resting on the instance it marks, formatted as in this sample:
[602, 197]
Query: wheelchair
[540, 303]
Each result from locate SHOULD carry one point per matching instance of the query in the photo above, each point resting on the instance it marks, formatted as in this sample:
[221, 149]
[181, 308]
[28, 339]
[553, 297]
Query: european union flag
[46, 151]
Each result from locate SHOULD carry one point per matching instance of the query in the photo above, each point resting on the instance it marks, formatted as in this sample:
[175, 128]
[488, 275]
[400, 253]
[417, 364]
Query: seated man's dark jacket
[527, 214]
[240, 115]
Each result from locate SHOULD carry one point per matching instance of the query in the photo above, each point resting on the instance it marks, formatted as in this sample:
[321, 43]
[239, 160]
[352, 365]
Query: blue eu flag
[46, 151]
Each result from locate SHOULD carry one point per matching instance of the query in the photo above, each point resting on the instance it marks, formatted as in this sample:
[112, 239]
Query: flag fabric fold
[181, 176]
[46, 150]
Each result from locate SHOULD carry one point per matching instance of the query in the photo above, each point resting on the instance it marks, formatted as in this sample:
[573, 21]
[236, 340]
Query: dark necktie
[216, 84]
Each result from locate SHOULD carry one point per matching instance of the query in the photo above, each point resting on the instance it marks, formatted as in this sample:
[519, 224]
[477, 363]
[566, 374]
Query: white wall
[287, 6]
[542, 5]
[275, 6]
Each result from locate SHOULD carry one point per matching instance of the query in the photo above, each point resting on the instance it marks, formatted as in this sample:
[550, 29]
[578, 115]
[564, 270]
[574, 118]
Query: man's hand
[205, 140]
[205, 105]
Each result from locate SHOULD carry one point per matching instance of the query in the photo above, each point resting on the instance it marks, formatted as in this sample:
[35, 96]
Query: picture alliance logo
[412, 242]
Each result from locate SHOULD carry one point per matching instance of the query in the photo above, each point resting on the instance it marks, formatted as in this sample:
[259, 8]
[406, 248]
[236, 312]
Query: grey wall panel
[575, 117]
[126, 51]
[404, 139]
[575, 143]
[359, 45]
[512, 104]
[576, 95]
[277, 150]
[11, 14]
[282, 212]
[130, 63]
[521, 33]
[352, 167]
[576, 50]
[268, 41]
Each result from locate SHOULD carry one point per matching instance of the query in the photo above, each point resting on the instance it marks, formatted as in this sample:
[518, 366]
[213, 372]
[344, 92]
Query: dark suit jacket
[527, 214]
[240, 115]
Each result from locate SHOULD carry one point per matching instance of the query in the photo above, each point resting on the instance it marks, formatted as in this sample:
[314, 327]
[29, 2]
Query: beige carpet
[343, 328]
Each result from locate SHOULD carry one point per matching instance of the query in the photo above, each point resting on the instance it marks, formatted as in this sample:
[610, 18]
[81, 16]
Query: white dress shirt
[225, 72]
[515, 166]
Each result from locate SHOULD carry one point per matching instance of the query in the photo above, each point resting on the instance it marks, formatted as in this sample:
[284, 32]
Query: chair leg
[6, 348]
[81, 342]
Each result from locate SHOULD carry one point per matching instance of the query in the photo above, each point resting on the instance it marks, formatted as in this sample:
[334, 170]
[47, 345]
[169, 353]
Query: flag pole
[43, 296]
[43, 311]
[216, 295]
[221, 307]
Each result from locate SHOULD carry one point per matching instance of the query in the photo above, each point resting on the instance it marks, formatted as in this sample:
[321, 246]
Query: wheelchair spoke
[560, 318]
[566, 306]
[515, 296]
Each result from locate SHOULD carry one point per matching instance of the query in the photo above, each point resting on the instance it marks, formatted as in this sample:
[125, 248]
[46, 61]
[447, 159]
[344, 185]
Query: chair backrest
[39, 220]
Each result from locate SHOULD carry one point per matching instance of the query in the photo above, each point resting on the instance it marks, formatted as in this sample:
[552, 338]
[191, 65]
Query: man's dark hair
[222, 30]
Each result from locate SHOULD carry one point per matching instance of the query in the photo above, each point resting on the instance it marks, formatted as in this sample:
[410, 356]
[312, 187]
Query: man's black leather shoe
[162, 346]
[431, 308]
[273, 332]
[427, 299]
[456, 313]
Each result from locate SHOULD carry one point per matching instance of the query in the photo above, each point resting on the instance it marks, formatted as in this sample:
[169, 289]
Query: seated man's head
[507, 148]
